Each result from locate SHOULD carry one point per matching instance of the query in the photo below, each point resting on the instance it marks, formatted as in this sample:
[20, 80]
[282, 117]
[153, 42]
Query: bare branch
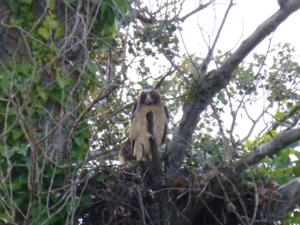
[199, 8]
[210, 51]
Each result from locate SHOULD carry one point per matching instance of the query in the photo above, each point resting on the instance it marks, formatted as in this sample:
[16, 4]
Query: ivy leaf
[63, 81]
[17, 133]
[44, 33]
[42, 93]
[24, 69]
[59, 32]
[4, 84]
[52, 22]
[60, 81]
[14, 21]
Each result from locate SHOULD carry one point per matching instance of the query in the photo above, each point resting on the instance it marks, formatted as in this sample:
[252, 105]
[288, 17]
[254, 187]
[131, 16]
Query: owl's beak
[149, 99]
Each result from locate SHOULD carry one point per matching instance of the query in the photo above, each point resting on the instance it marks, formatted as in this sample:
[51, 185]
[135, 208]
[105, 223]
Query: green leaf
[60, 80]
[279, 115]
[27, 1]
[52, 22]
[59, 32]
[248, 144]
[5, 218]
[4, 84]
[14, 21]
[221, 97]
[1, 150]
[44, 33]
[93, 67]
[42, 93]
[24, 69]
[10, 111]
[295, 218]
[122, 5]
[20, 182]
[296, 171]
[24, 150]
[267, 137]
[14, 5]
[101, 179]
[17, 133]
[79, 141]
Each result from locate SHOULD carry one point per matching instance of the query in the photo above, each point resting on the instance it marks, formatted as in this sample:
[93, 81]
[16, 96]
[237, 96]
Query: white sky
[243, 19]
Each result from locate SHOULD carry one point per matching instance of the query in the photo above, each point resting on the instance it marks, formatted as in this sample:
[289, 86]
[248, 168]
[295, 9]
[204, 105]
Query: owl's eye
[142, 97]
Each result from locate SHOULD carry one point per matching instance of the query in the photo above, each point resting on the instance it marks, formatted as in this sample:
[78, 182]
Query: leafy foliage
[38, 91]
[66, 96]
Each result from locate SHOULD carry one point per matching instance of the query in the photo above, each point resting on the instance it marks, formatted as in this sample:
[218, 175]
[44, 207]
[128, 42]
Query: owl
[149, 101]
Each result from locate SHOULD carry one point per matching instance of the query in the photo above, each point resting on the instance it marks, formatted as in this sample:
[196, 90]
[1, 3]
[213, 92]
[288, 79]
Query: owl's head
[149, 97]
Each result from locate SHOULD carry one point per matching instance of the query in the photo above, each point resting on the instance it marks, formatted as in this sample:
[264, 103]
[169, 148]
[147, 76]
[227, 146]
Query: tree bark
[291, 194]
[279, 142]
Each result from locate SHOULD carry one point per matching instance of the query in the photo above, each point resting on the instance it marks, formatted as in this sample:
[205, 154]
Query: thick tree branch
[281, 141]
[205, 89]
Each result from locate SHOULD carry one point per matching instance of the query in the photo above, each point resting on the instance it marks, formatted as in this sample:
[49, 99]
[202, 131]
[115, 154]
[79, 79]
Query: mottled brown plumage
[149, 101]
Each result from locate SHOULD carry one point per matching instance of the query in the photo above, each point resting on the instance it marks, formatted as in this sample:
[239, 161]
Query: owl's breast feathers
[139, 134]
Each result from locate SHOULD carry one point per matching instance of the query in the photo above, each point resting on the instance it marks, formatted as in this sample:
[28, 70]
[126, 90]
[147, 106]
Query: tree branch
[211, 49]
[205, 89]
[199, 8]
[291, 193]
[281, 141]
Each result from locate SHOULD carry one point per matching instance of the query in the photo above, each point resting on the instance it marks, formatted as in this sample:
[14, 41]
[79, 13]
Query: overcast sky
[243, 19]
